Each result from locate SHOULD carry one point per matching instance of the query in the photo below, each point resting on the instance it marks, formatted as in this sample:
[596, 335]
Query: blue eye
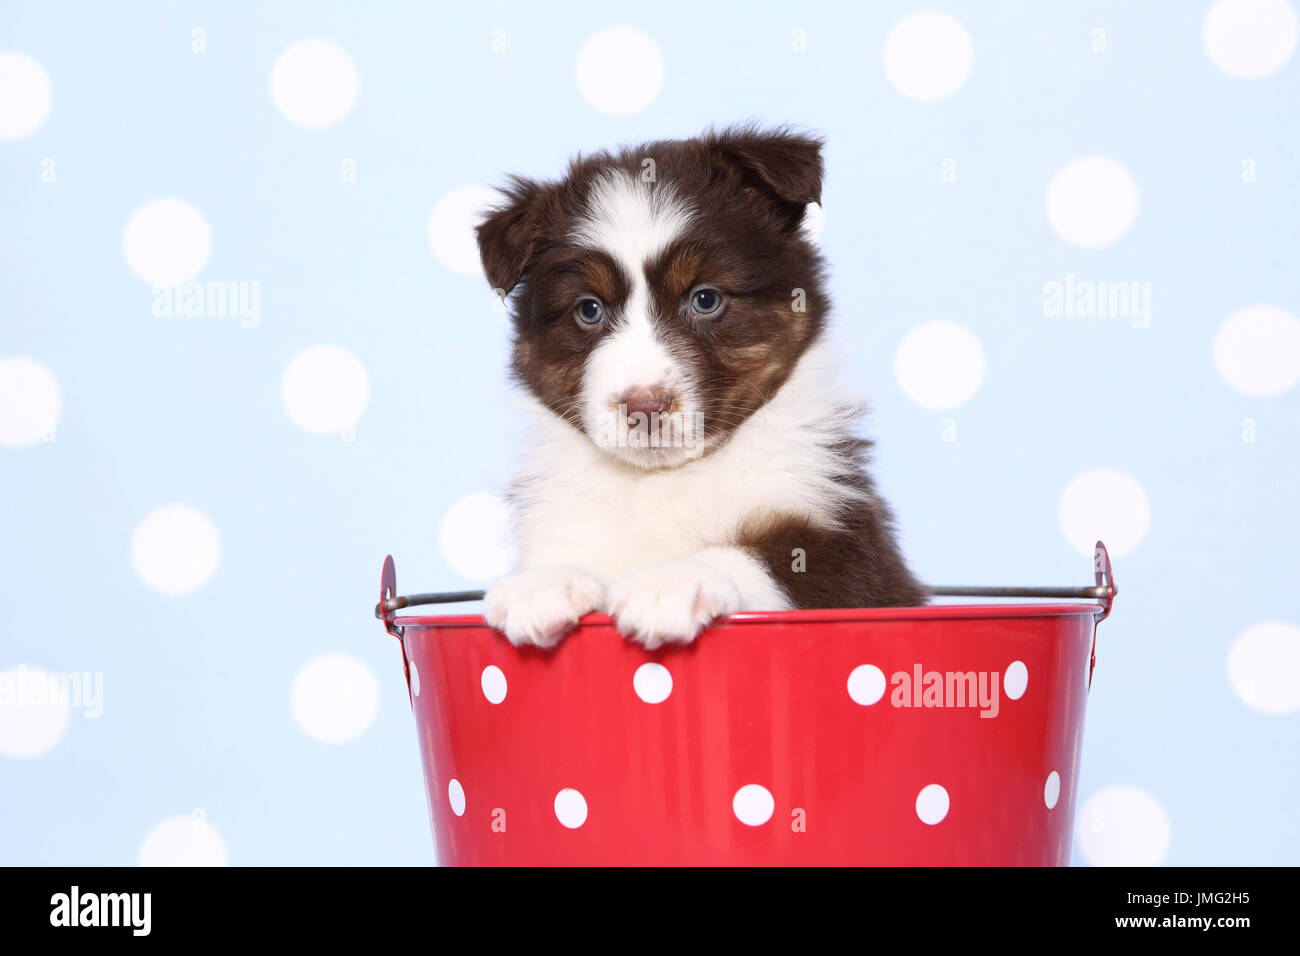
[589, 311]
[706, 301]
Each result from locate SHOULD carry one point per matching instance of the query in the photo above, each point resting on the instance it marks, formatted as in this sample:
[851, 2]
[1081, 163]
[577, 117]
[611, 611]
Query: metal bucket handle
[1102, 591]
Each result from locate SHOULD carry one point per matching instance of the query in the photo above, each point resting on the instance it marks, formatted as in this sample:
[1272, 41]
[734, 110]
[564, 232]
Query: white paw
[670, 602]
[541, 606]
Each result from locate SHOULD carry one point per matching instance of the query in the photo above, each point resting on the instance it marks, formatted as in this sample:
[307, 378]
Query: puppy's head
[661, 294]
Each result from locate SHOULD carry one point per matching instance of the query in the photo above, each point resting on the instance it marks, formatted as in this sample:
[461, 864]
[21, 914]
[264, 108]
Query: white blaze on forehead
[632, 221]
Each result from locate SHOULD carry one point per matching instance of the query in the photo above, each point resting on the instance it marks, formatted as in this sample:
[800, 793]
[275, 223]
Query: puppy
[690, 454]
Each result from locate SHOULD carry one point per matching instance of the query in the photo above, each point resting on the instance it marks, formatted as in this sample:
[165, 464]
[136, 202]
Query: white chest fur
[578, 506]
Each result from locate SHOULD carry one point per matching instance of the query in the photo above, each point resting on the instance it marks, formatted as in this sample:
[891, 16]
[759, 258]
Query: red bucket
[940, 735]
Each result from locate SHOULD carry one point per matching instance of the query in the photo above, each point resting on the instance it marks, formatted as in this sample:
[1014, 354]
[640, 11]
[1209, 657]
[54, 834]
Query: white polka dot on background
[493, 682]
[928, 56]
[26, 95]
[1264, 667]
[1015, 680]
[1257, 351]
[619, 71]
[452, 225]
[753, 805]
[30, 402]
[814, 221]
[35, 711]
[475, 538]
[571, 808]
[456, 797]
[166, 242]
[183, 841]
[1250, 39]
[1091, 201]
[866, 684]
[325, 390]
[334, 698]
[1104, 504]
[1123, 825]
[176, 549]
[932, 804]
[314, 83]
[939, 365]
[652, 683]
[1052, 790]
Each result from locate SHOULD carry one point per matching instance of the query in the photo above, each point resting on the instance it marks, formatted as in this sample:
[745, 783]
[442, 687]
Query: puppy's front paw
[541, 606]
[670, 602]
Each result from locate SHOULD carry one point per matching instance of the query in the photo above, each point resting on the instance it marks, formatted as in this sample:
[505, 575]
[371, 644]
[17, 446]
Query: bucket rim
[937, 612]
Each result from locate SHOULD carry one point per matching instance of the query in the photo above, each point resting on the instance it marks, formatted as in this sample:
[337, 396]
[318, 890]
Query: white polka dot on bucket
[753, 805]
[866, 684]
[652, 683]
[493, 682]
[1052, 789]
[932, 804]
[571, 808]
[1015, 680]
[456, 797]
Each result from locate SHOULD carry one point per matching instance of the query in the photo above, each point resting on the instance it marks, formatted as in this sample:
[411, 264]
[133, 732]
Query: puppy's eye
[589, 312]
[706, 301]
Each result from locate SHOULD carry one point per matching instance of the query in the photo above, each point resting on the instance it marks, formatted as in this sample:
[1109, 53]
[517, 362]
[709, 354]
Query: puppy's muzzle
[655, 400]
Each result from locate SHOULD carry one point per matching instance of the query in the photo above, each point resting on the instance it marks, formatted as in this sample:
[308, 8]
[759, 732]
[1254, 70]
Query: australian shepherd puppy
[690, 454]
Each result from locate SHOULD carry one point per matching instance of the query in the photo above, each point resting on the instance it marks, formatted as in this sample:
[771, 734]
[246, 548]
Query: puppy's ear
[510, 234]
[785, 165]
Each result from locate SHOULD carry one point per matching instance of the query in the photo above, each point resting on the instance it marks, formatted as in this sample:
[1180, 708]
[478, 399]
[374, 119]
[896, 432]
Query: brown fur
[749, 189]
[855, 564]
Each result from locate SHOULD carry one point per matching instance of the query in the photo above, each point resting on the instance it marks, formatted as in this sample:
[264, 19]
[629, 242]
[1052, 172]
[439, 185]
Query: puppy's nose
[647, 401]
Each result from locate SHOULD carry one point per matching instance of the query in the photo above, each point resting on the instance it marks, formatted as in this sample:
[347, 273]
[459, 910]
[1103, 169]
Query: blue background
[196, 686]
